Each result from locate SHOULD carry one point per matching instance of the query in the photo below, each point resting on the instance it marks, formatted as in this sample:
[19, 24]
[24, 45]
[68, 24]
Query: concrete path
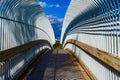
[56, 65]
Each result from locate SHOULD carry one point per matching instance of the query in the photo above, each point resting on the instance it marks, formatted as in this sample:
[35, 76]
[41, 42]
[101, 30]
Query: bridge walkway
[56, 65]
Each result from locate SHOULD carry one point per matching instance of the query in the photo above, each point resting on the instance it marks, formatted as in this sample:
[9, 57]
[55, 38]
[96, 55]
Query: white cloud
[60, 19]
[57, 5]
[44, 4]
[56, 24]
[54, 19]
[52, 5]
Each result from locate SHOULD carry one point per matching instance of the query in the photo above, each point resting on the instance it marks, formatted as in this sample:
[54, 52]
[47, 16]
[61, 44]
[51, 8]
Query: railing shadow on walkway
[53, 66]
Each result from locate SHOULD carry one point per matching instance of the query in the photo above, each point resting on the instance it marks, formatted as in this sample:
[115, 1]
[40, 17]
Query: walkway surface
[56, 65]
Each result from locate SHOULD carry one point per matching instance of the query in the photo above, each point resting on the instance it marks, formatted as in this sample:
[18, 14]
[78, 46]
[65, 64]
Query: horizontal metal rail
[86, 69]
[21, 74]
[4, 55]
[107, 58]
[13, 61]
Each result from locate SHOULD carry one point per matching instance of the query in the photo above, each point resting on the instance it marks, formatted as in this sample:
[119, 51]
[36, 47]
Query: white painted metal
[22, 21]
[96, 23]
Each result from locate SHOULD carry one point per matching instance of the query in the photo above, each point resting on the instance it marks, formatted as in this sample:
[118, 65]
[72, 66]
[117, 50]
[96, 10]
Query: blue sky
[55, 10]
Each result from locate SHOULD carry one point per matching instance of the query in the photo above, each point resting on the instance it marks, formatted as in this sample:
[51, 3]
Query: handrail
[6, 54]
[21, 74]
[86, 69]
[107, 58]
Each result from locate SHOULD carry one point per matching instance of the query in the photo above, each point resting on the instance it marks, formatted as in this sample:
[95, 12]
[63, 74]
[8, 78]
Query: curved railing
[25, 32]
[31, 27]
[96, 60]
[92, 32]
[23, 21]
[13, 60]
[103, 56]
[94, 22]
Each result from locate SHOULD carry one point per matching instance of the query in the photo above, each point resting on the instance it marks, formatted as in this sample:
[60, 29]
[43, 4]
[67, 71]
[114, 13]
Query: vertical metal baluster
[6, 70]
[12, 64]
[0, 70]
[9, 64]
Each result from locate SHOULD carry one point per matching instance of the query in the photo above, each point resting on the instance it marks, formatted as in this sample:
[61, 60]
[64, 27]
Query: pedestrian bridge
[90, 38]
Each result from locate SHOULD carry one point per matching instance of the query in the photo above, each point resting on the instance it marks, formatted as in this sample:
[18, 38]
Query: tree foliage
[57, 45]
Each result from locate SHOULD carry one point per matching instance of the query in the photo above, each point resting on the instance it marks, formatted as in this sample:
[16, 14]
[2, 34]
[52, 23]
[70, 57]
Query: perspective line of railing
[109, 59]
[13, 60]
[89, 73]
[4, 55]
[28, 68]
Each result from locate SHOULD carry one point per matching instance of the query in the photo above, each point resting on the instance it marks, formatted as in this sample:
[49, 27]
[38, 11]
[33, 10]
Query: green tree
[57, 45]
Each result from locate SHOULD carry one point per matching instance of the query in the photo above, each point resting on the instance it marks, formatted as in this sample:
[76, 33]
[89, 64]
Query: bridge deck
[56, 65]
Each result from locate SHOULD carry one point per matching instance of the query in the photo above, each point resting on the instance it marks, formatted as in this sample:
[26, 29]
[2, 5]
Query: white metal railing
[95, 23]
[23, 21]
[100, 70]
[12, 66]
